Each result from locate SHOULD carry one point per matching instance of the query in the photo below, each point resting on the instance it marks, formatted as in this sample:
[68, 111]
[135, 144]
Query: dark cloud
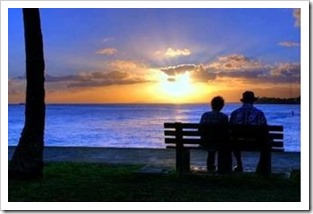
[93, 79]
[50, 78]
[99, 79]
[171, 79]
[174, 70]
[197, 72]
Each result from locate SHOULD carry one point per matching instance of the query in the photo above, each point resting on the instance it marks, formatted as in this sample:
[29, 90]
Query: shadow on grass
[86, 182]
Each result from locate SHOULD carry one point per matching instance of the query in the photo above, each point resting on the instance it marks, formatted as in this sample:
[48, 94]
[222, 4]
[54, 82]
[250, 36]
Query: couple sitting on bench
[247, 114]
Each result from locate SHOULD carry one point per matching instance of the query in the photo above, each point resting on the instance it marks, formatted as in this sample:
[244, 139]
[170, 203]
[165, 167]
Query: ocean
[135, 125]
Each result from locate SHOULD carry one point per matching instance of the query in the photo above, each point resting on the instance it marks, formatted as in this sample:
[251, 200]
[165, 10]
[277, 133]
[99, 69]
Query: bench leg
[182, 161]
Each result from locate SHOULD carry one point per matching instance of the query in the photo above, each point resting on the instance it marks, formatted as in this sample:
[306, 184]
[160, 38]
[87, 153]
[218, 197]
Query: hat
[248, 96]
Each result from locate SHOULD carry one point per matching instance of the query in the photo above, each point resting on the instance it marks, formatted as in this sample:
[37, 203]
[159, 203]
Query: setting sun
[178, 87]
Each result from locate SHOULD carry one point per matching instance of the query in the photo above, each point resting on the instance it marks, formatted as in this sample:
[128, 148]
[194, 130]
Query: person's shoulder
[257, 109]
[205, 114]
[236, 110]
[223, 114]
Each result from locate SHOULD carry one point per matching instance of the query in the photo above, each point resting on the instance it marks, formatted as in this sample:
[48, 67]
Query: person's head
[248, 97]
[217, 103]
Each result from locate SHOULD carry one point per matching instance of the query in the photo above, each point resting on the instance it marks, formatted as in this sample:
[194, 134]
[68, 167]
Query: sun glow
[178, 87]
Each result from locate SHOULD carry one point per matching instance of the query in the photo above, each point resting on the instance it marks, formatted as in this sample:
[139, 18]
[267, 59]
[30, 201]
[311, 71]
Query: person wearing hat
[247, 114]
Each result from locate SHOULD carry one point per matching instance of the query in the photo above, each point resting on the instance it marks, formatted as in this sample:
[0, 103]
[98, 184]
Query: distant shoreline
[258, 102]
[274, 100]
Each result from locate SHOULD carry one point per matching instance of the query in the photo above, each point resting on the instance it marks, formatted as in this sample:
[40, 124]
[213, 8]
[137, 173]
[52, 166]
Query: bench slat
[276, 128]
[275, 149]
[198, 141]
[276, 136]
[197, 133]
[277, 143]
[183, 125]
[184, 133]
[184, 141]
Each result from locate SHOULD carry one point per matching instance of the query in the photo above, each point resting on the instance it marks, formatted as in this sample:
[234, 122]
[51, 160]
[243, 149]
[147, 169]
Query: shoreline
[162, 158]
[98, 147]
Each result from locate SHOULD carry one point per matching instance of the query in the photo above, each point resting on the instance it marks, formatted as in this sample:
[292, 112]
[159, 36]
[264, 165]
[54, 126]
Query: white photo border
[155, 206]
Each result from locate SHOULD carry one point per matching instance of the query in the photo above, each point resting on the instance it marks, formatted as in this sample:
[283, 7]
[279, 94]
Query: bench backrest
[244, 137]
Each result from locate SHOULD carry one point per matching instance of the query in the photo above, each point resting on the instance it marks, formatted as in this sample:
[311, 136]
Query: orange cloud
[125, 65]
[107, 51]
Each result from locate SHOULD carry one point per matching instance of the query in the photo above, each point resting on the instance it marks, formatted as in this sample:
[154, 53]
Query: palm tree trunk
[27, 160]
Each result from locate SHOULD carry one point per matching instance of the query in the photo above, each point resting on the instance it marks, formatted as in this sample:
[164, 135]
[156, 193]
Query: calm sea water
[132, 125]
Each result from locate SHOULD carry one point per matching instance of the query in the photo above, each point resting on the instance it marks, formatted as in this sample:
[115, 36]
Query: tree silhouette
[27, 160]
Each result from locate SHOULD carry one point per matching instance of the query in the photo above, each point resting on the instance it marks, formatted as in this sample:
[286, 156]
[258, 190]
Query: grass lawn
[85, 182]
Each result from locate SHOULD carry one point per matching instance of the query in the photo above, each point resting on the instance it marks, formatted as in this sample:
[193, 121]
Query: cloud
[237, 66]
[97, 79]
[125, 65]
[115, 72]
[50, 78]
[197, 72]
[107, 51]
[256, 72]
[170, 52]
[285, 72]
[171, 79]
[108, 39]
[178, 52]
[12, 88]
[202, 74]
[233, 62]
[289, 44]
[16, 85]
[297, 16]
[174, 70]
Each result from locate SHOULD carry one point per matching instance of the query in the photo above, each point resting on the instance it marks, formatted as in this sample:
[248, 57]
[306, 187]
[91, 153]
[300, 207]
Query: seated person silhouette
[214, 117]
[247, 114]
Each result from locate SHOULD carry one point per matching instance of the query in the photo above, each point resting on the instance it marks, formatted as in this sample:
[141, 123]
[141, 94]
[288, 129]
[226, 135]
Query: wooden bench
[186, 136]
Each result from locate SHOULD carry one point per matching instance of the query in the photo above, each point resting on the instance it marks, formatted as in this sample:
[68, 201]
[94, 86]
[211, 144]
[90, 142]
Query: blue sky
[137, 46]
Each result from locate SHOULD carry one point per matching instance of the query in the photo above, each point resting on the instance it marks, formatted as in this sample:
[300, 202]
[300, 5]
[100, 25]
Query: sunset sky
[161, 55]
